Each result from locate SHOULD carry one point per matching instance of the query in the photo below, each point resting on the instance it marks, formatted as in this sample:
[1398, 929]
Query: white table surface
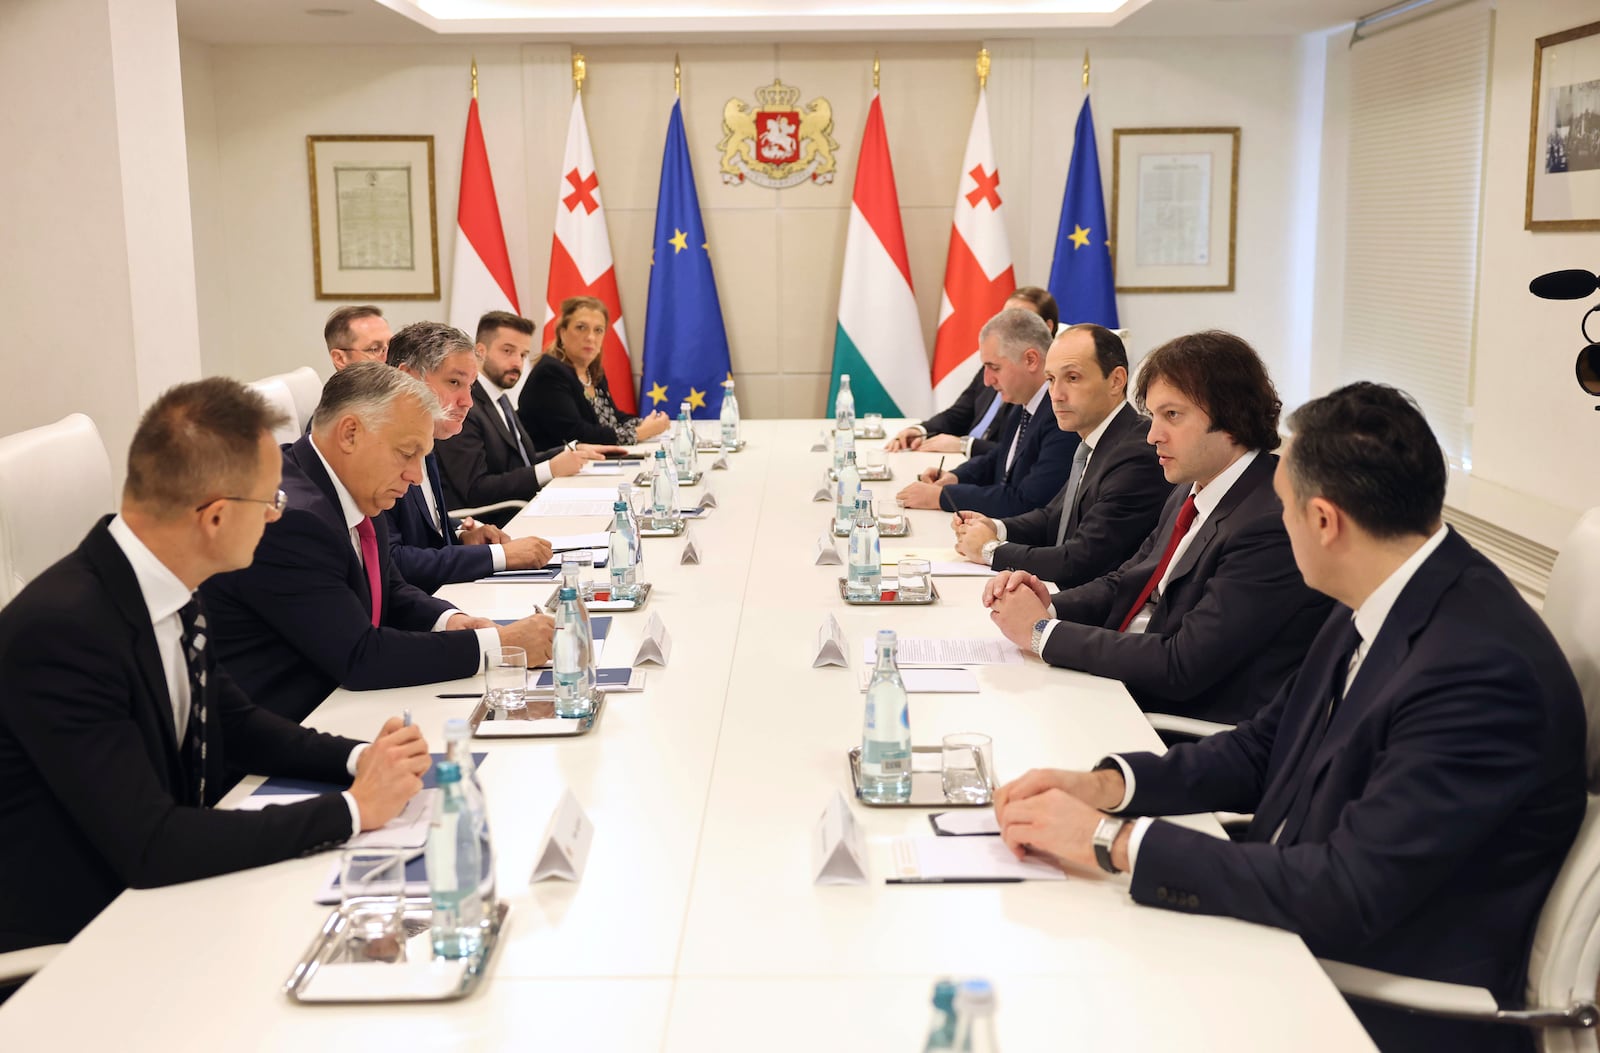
[696, 925]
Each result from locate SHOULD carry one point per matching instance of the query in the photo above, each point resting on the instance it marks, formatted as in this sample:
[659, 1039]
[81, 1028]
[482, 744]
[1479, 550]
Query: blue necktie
[982, 426]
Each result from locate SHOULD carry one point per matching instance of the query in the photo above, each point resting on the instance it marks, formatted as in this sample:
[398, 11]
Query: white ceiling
[627, 21]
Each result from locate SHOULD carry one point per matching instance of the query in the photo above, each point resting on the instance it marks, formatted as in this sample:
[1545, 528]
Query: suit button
[1161, 893]
[1194, 901]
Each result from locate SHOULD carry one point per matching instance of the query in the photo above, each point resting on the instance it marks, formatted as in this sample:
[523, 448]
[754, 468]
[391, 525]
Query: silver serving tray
[672, 528]
[881, 474]
[717, 447]
[643, 478]
[871, 433]
[927, 787]
[536, 720]
[933, 596]
[590, 589]
[905, 529]
[331, 946]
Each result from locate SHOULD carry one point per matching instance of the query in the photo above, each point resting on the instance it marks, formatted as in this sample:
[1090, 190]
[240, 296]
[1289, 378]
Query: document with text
[936, 650]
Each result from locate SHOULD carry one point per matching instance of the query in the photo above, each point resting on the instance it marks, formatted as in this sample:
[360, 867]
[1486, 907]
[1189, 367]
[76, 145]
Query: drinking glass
[372, 892]
[966, 767]
[874, 458]
[872, 424]
[639, 499]
[892, 516]
[916, 582]
[505, 678]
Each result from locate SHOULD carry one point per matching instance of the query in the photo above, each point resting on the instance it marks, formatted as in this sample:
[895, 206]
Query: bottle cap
[975, 994]
[447, 772]
[944, 995]
[619, 506]
[886, 638]
[568, 593]
[661, 455]
[456, 728]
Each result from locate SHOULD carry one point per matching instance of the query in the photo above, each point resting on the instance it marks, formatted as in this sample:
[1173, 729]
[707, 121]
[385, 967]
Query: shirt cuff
[488, 640]
[1135, 839]
[498, 552]
[1000, 530]
[923, 428]
[439, 626]
[1127, 782]
[352, 761]
[355, 812]
[543, 472]
[1044, 637]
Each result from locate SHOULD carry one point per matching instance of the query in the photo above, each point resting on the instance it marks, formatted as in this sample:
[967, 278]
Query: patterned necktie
[1186, 516]
[1080, 458]
[1016, 447]
[511, 425]
[369, 557]
[194, 736]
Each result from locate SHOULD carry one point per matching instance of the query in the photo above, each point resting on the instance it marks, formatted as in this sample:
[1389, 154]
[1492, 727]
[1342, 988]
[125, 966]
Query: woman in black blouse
[566, 397]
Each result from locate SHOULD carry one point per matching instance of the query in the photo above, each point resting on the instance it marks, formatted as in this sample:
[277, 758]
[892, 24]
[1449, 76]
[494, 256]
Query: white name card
[656, 646]
[691, 549]
[707, 500]
[721, 463]
[821, 445]
[827, 552]
[831, 648]
[837, 853]
[566, 842]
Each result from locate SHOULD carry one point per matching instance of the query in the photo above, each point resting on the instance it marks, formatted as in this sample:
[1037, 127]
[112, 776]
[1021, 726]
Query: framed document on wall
[374, 228]
[1564, 132]
[1174, 208]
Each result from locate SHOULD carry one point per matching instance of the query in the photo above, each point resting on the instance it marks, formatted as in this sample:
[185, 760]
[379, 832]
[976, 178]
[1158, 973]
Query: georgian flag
[480, 277]
[580, 258]
[978, 278]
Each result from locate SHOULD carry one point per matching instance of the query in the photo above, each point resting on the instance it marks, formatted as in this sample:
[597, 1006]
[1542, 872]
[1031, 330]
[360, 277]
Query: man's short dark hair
[1041, 299]
[501, 320]
[197, 442]
[1224, 376]
[337, 334]
[1108, 350]
[422, 347]
[1367, 449]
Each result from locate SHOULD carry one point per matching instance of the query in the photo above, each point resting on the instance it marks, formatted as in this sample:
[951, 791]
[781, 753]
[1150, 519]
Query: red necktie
[369, 556]
[1186, 516]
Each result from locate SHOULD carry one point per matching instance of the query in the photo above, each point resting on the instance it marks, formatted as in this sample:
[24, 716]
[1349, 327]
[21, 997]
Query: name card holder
[691, 550]
[656, 646]
[566, 842]
[707, 500]
[838, 853]
[827, 553]
[831, 648]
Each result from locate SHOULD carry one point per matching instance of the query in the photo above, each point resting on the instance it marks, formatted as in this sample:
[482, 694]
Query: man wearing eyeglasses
[356, 334]
[118, 725]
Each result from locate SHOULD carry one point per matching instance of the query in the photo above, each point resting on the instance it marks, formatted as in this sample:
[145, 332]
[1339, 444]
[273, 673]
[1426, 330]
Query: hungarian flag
[580, 258]
[480, 278]
[978, 278]
[879, 338]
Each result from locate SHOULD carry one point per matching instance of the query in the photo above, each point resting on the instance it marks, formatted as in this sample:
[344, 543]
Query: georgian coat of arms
[779, 143]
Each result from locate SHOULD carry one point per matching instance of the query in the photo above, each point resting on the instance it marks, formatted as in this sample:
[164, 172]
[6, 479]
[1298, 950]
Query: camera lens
[1589, 369]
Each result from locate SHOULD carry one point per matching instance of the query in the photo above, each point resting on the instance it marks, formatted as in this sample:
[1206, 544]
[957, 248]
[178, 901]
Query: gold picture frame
[374, 232]
[1564, 159]
[1174, 209]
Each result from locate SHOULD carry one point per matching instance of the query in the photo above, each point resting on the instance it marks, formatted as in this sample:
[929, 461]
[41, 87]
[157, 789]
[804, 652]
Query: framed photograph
[374, 227]
[1564, 132]
[1174, 208]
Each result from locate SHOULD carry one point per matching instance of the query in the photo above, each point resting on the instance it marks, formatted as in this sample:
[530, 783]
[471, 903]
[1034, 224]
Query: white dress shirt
[487, 638]
[441, 523]
[541, 470]
[164, 596]
[1369, 619]
[1091, 442]
[1029, 409]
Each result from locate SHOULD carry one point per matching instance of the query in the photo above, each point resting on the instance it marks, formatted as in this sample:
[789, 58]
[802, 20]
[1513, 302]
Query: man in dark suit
[116, 721]
[971, 425]
[493, 458]
[427, 546]
[1034, 457]
[1116, 491]
[1415, 786]
[1211, 615]
[324, 605]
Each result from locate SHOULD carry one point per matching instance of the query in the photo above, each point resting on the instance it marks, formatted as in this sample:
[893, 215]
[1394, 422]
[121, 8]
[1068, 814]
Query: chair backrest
[1564, 964]
[306, 387]
[55, 482]
[275, 391]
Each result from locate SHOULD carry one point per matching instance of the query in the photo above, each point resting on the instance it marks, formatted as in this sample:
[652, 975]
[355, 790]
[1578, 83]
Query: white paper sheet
[572, 505]
[948, 651]
[572, 542]
[376, 982]
[600, 468]
[938, 680]
[409, 829]
[964, 859]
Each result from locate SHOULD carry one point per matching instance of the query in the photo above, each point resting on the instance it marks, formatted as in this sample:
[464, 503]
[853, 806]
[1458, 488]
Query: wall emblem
[779, 143]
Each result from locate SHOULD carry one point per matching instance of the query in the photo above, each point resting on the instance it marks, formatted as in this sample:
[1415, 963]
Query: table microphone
[1564, 285]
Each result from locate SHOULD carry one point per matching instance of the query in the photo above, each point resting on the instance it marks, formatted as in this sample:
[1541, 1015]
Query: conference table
[696, 924]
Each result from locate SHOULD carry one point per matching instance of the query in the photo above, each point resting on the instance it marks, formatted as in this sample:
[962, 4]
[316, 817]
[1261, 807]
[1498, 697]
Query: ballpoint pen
[405, 718]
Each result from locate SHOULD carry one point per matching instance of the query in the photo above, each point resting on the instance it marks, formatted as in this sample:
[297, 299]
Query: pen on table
[953, 881]
[405, 718]
[464, 694]
[941, 467]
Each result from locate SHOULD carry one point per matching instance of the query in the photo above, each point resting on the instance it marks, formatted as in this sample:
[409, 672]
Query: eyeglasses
[279, 502]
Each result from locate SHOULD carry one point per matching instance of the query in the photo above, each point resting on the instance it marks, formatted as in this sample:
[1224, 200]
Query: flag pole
[983, 68]
[677, 77]
[580, 69]
[1085, 69]
[474, 77]
[874, 71]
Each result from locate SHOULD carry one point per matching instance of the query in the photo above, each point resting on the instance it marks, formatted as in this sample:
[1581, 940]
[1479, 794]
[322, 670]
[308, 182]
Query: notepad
[957, 859]
[947, 651]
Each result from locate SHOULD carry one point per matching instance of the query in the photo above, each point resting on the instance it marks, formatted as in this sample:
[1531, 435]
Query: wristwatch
[987, 552]
[1038, 633]
[1105, 834]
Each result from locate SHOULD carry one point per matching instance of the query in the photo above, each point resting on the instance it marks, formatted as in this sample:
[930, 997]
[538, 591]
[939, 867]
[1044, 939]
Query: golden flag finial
[1085, 69]
[474, 78]
[677, 77]
[874, 71]
[983, 67]
[580, 69]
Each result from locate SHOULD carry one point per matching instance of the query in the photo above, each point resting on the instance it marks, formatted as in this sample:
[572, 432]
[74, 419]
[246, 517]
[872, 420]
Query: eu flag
[1080, 274]
[685, 346]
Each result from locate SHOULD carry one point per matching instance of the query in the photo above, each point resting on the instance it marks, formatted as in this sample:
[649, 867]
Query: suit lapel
[431, 463]
[1109, 440]
[1242, 488]
[481, 398]
[331, 512]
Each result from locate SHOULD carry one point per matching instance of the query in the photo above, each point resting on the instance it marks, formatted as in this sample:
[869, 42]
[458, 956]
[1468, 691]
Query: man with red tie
[324, 605]
[1211, 615]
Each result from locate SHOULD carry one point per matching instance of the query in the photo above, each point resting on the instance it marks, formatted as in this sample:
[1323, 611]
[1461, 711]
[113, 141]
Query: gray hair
[422, 347]
[369, 390]
[1017, 330]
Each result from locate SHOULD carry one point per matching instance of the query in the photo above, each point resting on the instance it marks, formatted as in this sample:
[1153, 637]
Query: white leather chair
[306, 387]
[55, 482]
[1564, 962]
[483, 510]
[277, 392]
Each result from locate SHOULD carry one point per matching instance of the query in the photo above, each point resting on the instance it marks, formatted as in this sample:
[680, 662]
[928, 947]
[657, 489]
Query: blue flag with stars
[685, 345]
[1080, 274]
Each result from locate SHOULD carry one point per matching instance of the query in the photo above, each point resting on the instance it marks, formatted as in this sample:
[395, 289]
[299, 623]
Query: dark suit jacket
[297, 622]
[1119, 500]
[1039, 471]
[967, 410]
[555, 410]
[481, 466]
[1235, 621]
[1442, 798]
[94, 793]
[426, 558]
